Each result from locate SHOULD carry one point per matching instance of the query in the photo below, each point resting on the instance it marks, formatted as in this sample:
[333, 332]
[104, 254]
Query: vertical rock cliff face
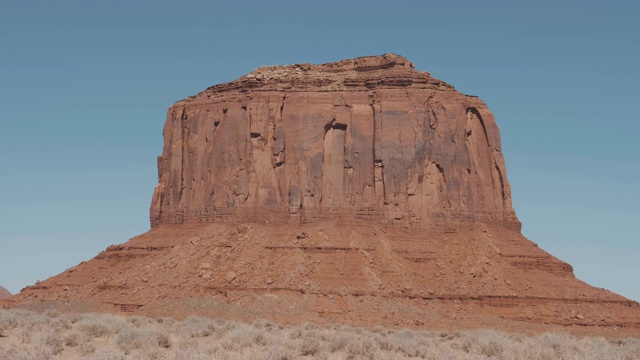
[369, 138]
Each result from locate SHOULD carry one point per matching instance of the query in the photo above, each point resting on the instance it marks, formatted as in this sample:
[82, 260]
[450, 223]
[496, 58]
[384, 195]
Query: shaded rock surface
[361, 191]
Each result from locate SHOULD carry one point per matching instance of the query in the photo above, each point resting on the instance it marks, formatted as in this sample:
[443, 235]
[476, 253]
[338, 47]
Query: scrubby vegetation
[54, 335]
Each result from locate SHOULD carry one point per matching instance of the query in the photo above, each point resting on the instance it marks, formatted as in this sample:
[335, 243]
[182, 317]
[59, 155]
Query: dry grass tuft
[55, 335]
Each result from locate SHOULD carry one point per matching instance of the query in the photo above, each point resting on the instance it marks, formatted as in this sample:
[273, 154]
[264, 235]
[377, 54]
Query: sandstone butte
[361, 191]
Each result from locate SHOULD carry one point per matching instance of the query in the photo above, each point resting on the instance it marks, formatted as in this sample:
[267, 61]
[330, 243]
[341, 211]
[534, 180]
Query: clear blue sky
[84, 88]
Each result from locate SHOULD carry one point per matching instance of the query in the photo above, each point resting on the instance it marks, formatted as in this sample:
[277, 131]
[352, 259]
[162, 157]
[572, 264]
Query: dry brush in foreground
[53, 335]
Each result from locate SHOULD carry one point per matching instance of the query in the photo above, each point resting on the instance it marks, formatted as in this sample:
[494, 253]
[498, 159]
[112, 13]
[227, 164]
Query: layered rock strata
[339, 271]
[370, 138]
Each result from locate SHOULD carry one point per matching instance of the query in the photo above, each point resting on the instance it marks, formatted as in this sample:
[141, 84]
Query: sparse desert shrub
[243, 337]
[135, 339]
[362, 348]
[74, 338]
[492, 343]
[309, 326]
[107, 353]
[310, 347]
[139, 321]
[60, 323]
[385, 343]
[265, 324]
[51, 339]
[198, 327]
[52, 313]
[166, 321]
[86, 349]
[278, 353]
[16, 352]
[164, 341]
[94, 329]
[558, 344]
[30, 335]
[72, 317]
[25, 320]
[338, 341]
[295, 334]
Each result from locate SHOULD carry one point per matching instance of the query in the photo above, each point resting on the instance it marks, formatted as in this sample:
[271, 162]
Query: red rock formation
[4, 293]
[369, 137]
[361, 191]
